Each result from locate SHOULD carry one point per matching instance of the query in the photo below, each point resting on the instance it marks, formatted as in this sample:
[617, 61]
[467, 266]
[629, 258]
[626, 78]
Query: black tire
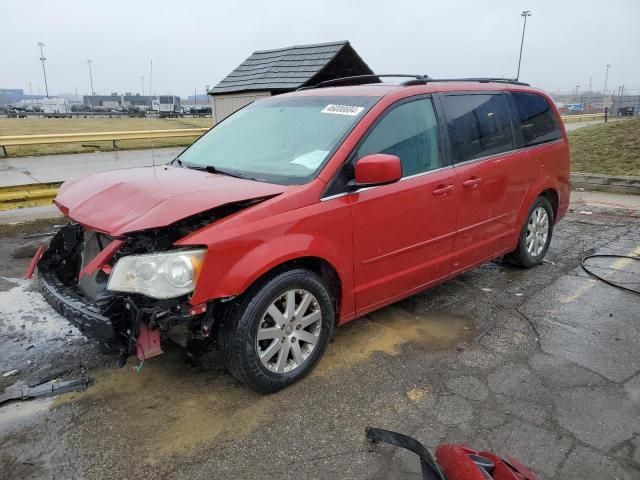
[238, 332]
[521, 255]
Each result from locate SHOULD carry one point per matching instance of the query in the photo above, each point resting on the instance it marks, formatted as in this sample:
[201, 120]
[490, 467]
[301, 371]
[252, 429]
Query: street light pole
[606, 77]
[44, 71]
[525, 14]
[91, 78]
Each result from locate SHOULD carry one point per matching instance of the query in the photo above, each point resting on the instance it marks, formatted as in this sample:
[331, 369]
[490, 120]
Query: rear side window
[479, 125]
[537, 119]
[409, 131]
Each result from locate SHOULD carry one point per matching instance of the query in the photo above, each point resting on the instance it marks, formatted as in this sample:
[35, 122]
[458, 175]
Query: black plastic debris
[47, 389]
[429, 467]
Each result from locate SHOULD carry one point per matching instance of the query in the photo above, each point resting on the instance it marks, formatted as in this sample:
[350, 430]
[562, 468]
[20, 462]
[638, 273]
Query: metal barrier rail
[582, 117]
[30, 195]
[17, 140]
[13, 140]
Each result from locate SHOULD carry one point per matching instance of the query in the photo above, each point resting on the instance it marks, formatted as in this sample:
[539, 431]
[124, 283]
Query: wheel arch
[543, 188]
[320, 266]
[554, 199]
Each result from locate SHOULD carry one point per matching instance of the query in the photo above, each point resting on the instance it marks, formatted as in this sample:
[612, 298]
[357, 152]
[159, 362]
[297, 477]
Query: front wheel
[278, 331]
[535, 236]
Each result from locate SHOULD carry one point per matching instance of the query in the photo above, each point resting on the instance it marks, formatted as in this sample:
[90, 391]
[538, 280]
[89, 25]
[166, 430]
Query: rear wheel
[276, 334]
[535, 236]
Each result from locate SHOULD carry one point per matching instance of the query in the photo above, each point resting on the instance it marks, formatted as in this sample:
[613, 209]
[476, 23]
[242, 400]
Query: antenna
[153, 156]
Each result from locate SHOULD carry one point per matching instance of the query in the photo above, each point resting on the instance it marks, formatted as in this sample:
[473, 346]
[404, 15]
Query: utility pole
[142, 80]
[606, 77]
[91, 78]
[524, 14]
[590, 82]
[195, 98]
[44, 71]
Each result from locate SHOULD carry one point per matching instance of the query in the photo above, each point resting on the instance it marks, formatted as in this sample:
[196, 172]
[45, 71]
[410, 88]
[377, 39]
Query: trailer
[55, 107]
[167, 106]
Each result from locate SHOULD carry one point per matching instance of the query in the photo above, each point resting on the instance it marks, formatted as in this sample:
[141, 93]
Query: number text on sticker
[342, 109]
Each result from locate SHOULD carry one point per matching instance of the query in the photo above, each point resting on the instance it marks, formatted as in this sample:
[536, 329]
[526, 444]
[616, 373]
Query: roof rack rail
[415, 80]
[340, 80]
[511, 81]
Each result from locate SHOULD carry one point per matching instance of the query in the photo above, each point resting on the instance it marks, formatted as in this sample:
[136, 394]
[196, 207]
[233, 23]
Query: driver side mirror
[376, 169]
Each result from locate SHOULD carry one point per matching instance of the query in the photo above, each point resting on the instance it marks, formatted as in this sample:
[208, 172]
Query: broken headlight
[158, 275]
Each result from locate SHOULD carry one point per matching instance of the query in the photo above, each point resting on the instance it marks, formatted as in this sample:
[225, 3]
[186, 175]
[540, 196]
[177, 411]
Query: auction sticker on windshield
[311, 160]
[342, 109]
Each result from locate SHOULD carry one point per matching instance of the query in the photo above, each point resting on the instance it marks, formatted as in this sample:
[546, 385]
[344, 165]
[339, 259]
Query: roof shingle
[288, 68]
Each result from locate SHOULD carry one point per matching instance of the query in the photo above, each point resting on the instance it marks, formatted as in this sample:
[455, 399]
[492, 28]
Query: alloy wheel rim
[289, 331]
[537, 231]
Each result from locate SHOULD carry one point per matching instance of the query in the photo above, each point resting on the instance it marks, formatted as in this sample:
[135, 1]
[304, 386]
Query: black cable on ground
[608, 282]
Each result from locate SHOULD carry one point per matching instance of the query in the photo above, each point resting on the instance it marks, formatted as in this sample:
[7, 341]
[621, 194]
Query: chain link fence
[626, 102]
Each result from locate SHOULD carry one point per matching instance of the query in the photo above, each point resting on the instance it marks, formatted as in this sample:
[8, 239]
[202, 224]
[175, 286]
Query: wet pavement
[540, 364]
[57, 168]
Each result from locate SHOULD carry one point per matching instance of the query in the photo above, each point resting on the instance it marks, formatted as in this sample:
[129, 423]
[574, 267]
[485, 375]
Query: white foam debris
[17, 415]
[24, 309]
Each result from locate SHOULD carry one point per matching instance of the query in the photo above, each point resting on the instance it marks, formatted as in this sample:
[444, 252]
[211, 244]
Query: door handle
[472, 182]
[442, 189]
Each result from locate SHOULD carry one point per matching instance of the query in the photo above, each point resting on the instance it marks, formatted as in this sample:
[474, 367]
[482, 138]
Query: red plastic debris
[102, 258]
[457, 463]
[34, 261]
[148, 343]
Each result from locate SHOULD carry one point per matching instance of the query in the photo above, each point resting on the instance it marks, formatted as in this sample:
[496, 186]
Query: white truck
[55, 107]
[167, 106]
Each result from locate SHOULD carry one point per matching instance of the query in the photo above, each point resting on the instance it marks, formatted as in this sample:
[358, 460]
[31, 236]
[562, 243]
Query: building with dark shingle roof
[270, 72]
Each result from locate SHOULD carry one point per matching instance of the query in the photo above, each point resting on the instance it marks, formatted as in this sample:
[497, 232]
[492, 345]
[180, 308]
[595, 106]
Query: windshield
[283, 140]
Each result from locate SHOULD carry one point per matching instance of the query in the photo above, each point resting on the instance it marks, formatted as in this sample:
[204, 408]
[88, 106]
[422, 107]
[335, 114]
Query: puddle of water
[17, 414]
[387, 330]
[166, 409]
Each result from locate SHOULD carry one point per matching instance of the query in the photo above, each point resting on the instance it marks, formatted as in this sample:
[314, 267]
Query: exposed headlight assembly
[158, 275]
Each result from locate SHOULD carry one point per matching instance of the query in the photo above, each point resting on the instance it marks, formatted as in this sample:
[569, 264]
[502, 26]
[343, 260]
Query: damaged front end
[124, 292]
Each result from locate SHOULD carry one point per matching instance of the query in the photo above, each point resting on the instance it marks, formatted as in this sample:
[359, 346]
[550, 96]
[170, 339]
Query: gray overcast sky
[197, 42]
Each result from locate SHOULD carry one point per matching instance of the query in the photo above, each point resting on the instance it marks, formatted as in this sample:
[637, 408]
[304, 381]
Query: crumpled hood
[122, 201]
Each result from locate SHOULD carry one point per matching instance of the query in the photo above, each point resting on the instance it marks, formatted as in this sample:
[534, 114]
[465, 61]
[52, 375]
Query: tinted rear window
[537, 119]
[479, 125]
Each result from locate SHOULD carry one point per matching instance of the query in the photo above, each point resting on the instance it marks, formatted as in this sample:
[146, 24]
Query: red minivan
[304, 211]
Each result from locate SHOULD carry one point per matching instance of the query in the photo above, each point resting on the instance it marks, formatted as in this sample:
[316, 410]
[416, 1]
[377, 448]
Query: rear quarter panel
[555, 166]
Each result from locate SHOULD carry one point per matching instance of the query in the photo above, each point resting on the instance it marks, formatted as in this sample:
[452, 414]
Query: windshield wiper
[219, 171]
[214, 169]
